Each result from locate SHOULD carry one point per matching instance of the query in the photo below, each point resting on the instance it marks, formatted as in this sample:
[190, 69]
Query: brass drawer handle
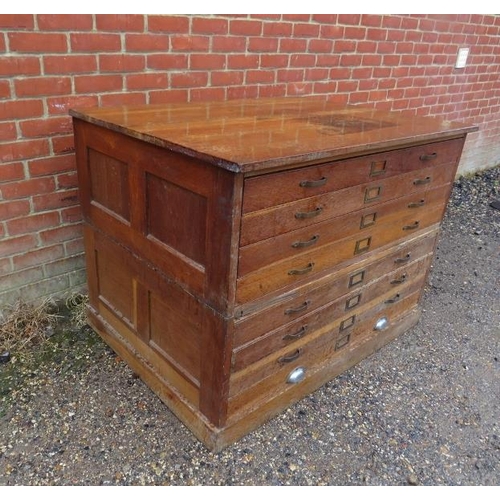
[297, 335]
[313, 184]
[416, 204]
[402, 260]
[428, 157]
[393, 299]
[398, 281]
[421, 182]
[294, 310]
[410, 227]
[308, 215]
[304, 270]
[308, 243]
[289, 358]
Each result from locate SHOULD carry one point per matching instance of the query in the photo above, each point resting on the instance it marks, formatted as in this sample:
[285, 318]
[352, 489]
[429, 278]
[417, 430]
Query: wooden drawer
[280, 219]
[283, 187]
[308, 323]
[296, 243]
[247, 384]
[310, 265]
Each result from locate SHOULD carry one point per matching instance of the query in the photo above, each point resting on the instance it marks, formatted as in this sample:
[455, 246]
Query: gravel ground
[424, 410]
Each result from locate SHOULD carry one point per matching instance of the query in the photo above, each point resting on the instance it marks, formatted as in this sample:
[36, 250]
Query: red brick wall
[49, 63]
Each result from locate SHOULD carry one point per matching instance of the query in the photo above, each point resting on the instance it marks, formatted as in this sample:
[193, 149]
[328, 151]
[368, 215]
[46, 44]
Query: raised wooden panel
[109, 183]
[176, 217]
[175, 331]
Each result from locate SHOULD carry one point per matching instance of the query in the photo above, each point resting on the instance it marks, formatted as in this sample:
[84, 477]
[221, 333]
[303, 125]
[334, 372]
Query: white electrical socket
[462, 58]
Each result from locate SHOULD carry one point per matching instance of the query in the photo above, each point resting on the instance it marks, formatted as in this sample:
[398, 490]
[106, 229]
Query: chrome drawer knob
[296, 376]
[381, 324]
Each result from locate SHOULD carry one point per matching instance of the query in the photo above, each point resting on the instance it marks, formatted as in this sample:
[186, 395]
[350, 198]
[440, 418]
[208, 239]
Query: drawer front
[296, 243]
[258, 318]
[325, 342]
[310, 265]
[349, 304]
[301, 214]
[283, 187]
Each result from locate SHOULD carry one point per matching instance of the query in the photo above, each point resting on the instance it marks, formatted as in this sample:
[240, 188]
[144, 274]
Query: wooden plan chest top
[240, 254]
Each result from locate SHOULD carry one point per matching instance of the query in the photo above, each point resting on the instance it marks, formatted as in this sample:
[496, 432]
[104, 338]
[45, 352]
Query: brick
[123, 98]
[20, 278]
[350, 59]
[74, 247]
[290, 75]
[229, 44]
[121, 63]
[26, 188]
[56, 65]
[245, 27]
[21, 150]
[244, 92]
[61, 234]
[298, 17]
[2, 43]
[274, 60]
[51, 165]
[54, 201]
[262, 44]
[277, 29]
[207, 94]
[190, 43]
[278, 90]
[207, 61]
[38, 42]
[64, 266]
[346, 86]
[335, 32]
[330, 60]
[146, 81]
[209, 26]
[98, 83]
[320, 46]
[222, 78]
[167, 96]
[19, 66]
[37, 257]
[352, 19]
[371, 20]
[95, 42]
[274, 17]
[355, 33]
[169, 24]
[299, 88]
[12, 246]
[17, 21]
[120, 22]
[63, 144]
[33, 87]
[78, 281]
[12, 209]
[167, 61]
[11, 172]
[368, 47]
[147, 42]
[345, 46]
[67, 181]
[293, 45]
[71, 215]
[53, 287]
[192, 79]
[325, 87]
[61, 105]
[5, 266]
[8, 131]
[64, 22]
[307, 30]
[386, 47]
[242, 61]
[302, 60]
[358, 97]
[315, 74]
[32, 223]
[260, 76]
[392, 22]
[46, 127]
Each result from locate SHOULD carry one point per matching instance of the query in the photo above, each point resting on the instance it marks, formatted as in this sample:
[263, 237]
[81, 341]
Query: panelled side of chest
[161, 245]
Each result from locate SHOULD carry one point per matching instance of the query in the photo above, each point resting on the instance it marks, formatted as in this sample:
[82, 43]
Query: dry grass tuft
[24, 325]
[76, 305]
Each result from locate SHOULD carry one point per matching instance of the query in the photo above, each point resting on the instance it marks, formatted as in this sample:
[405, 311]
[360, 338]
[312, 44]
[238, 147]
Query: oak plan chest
[240, 254]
